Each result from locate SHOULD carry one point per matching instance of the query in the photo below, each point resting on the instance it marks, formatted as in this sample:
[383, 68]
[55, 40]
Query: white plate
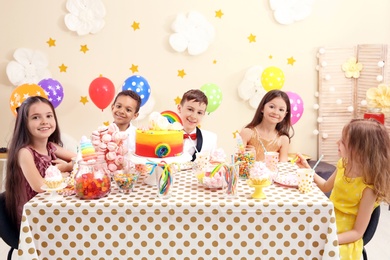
[185, 157]
[287, 180]
[62, 185]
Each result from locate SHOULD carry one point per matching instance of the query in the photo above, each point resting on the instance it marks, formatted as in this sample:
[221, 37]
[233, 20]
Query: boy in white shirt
[191, 110]
[125, 109]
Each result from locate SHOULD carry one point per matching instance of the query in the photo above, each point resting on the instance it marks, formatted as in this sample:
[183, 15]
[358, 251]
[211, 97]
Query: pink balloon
[296, 104]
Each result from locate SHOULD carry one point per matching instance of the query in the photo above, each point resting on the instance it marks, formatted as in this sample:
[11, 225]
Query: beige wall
[29, 24]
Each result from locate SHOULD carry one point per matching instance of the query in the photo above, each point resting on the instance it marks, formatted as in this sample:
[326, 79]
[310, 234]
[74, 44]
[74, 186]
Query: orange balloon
[22, 92]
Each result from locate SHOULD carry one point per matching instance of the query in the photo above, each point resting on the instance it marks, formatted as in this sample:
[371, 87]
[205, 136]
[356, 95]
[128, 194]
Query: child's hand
[62, 165]
[301, 161]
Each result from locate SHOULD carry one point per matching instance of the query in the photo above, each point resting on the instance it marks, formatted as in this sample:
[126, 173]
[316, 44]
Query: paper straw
[262, 145]
[315, 165]
[196, 150]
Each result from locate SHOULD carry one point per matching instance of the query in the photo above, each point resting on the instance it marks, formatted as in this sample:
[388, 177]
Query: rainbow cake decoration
[161, 139]
[171, 116]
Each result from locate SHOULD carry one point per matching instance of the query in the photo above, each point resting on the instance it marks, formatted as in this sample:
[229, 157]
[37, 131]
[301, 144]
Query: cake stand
[258, 194]
[53, 191]
[156, 173]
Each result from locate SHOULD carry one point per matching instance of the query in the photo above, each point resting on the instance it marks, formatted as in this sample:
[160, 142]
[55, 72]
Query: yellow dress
[346, 196]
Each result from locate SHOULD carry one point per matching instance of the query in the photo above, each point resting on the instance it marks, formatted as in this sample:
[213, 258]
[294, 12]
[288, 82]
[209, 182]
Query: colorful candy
[125, 181]
[165, 181]
[246, 160]
[162, 150]
[231, 178]
[87, 186]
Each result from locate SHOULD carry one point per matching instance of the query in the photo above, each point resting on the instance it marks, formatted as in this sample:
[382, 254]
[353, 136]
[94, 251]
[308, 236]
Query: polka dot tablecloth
[194, 223]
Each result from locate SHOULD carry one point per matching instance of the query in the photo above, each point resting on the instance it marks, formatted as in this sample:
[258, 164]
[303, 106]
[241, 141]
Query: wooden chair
[7, 232]
[371, 228]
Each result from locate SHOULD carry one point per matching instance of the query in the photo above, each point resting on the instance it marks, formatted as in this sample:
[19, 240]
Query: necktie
[191, 136]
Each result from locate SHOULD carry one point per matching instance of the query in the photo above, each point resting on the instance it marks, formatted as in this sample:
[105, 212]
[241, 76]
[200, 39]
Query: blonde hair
[368, 148]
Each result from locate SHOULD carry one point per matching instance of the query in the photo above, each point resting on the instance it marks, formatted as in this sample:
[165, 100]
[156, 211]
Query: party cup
[271, 161]
[305, 179]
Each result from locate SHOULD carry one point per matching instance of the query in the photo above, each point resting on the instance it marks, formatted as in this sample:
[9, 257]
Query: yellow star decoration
[177, 100]
[134, 68]
[218, 13]
[106, 123]
[51, 42]
[63, 68]
[181, 73]
[252, 38]
[235, 134]
[84, 48]
[83, 99]
[291, 60]
[270, 57]
[214, 61]
[135, 25]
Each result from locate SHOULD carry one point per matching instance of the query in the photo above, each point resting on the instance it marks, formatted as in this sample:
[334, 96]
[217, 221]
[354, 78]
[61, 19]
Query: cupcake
[259, 174]
[53, 177]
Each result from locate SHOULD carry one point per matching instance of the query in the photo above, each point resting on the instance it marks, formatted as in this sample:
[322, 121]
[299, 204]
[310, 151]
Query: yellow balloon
[22, 92]
[272, 78]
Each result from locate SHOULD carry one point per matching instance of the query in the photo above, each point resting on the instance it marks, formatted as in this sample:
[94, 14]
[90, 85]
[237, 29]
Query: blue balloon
[139, 85]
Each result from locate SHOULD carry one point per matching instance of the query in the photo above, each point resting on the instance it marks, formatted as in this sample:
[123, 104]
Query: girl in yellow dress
[359, 183]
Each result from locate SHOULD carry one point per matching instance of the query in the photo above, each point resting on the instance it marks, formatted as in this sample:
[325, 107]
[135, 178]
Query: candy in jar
[245, 159]
[92, 180]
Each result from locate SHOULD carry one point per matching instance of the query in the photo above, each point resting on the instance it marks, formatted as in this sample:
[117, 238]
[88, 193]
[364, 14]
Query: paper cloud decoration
[28, 67]
[85, 16]
[289, 11]
[192, 32]
[250, 88]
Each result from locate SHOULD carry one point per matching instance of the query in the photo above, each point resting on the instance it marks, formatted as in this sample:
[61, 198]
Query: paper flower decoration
[193, 33]
[352, 68]
[250, 88]
[289, 11]
[29, 67]
[379, 97]
[85, 16]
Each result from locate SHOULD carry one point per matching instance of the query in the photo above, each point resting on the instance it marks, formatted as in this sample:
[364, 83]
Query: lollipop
[240, 142]
[165, 181]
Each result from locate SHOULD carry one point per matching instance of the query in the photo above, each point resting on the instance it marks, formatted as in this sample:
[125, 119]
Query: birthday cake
[161, 139]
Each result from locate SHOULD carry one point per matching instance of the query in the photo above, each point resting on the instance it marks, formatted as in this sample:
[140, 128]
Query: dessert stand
[258, 193]
[152, 179]
[53, 191]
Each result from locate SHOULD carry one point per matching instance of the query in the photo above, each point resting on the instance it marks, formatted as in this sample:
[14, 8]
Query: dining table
[193, 223]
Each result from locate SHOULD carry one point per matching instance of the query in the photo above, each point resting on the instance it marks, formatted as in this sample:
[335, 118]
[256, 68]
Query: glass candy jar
[245, 158]
[375, 113]
[92, 180]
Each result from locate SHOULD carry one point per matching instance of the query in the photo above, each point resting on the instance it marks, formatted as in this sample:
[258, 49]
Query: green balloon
[214, 96]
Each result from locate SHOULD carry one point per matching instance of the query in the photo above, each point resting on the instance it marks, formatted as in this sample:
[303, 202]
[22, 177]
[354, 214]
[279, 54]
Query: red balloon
[102, 92]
